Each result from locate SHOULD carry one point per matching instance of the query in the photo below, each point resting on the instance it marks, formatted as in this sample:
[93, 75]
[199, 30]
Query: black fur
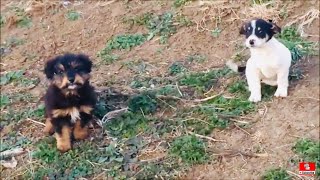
[262, 29]
[51, 66]
[59, 98]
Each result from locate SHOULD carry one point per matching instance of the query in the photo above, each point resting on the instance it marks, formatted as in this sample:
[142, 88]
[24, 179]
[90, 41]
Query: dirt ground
[279, 122]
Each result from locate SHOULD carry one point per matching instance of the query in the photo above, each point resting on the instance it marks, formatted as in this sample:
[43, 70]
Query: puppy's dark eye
[77, 69]
[59, 72]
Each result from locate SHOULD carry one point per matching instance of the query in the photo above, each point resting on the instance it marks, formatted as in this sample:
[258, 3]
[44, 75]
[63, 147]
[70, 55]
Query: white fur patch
[75, 115]
[268, 64]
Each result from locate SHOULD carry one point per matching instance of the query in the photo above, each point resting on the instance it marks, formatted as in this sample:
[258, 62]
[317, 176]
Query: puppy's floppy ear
[275, 28]
[243, 29]
[86, 61]
[49, 68]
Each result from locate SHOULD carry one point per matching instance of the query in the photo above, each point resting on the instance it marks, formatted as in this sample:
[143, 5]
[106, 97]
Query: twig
[169, 97]
[207, 98]
[11, 152]
[242, 130]
[167, 103]
[238, 121]
[296, 175]
[231, 116]
[179, 89]
[37, 122]
[206, 137]
[234, 153]
[113, 114]
[197, 120]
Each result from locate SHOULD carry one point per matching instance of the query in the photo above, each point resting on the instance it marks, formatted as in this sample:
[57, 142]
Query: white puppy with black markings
[269, 62]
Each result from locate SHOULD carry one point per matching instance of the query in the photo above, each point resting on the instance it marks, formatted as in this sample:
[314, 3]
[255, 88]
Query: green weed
[12, 140]
[203, 80]
[276, 174]
[190, 149]
[309, 151]
[2, 21]
[239, 87]
[139, 20]
[17, 115]
[144, 102]
[162, 26]
[127, 125]
[179, 3]
[11, 76]
[23, 20]
[125, 41]
[260, 1]
[216, 32]
[73, 15]
[183, 20]
[167, 169]
[176, 68]
[75, 163]
[196, 58]
[234, 107]
[4, 101]
[120, 42]
[296, 44]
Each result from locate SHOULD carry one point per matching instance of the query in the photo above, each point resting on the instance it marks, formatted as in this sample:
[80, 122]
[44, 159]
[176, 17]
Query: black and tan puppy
[70, 98]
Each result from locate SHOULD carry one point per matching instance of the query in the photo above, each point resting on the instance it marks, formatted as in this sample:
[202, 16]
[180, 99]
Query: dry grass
[305, 19]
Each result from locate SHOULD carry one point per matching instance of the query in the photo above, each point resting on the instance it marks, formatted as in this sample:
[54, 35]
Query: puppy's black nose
[71, 79]
[251, 42]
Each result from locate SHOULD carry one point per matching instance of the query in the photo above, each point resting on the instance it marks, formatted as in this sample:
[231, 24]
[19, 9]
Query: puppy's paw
[48, 131]
[63, 147]
[80, 134]
[281, 92]
[255, 97]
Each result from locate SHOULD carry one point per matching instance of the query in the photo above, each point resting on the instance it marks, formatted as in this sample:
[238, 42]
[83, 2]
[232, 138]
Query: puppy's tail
[234, 67]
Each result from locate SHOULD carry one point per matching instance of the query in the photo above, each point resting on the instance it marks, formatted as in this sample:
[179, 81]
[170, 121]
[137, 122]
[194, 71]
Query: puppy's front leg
[283, 83]
[253, 80]
[63, 137]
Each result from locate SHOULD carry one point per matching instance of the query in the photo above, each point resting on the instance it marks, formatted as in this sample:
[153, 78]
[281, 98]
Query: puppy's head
[69, 71]
[258, 32]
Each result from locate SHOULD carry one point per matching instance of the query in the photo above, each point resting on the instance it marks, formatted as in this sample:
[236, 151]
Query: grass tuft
[144, 102]
[309, 151]
[162, 26]
[179, 3]
[73, 15]
[190, 149]
[120, 42]
[276, 174]
[203, 80]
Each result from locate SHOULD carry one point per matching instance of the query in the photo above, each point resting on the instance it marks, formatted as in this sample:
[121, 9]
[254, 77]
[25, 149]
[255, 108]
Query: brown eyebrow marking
[74, 64]
[61, 67]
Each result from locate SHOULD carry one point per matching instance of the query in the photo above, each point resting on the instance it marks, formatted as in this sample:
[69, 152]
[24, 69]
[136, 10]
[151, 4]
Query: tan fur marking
[78, 79]
[48, 129]
[63, 139]
[64, 82]
[61, 67]
[74, 64]
[73, 112]
[80, 133]
[70, 93]
[86, 109]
